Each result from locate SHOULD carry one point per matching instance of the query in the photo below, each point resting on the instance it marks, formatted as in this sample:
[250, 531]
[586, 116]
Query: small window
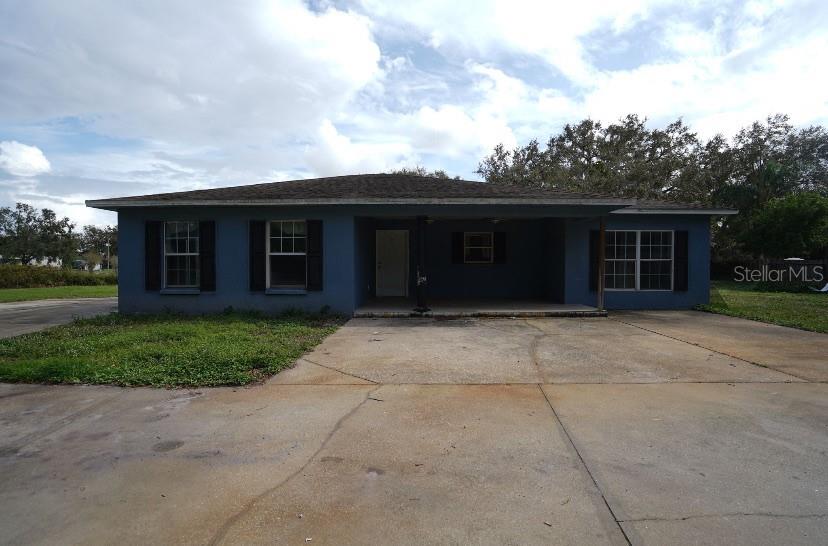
[181, 248]
[287, 258]
[478, 247]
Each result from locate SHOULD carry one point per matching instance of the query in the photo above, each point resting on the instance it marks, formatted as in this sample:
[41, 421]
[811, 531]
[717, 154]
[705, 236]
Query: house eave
[114, 204]
[670, 211]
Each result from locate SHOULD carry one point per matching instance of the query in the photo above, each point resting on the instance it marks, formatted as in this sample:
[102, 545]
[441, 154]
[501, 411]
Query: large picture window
[287, 258]
[478, 247]
[181, 248]
[639, 260]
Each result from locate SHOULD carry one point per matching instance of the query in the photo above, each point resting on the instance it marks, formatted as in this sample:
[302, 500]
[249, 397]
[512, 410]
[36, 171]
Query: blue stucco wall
[577, 262]
[232, 262]
[546, 259]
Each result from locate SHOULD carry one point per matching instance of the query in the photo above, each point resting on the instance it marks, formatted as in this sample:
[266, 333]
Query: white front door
[392, 262]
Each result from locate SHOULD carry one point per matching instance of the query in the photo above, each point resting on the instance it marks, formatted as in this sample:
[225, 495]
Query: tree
[767, 160]
[795, 225]
[26, 235]
[422, 171]
[92, 259]
[95, 239]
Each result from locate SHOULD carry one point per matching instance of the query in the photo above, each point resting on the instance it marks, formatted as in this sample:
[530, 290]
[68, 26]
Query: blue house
[380, 241]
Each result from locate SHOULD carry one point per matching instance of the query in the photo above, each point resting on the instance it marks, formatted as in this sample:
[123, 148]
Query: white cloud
[22, 160]
[209, 72]
[336, 154]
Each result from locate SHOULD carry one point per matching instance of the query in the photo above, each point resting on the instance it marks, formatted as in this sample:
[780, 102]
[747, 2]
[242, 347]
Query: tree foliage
[27, 234]
[765, 161]
[422, 171]
[796, 225]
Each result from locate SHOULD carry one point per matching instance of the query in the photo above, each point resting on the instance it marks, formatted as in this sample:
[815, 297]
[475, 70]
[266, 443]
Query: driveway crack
[533, 350]
[586, 468]
[340, 371]
[729, 515]
[225, 528]
[712, 350]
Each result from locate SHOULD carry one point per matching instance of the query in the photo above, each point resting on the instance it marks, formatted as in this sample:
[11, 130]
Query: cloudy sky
[114, 98]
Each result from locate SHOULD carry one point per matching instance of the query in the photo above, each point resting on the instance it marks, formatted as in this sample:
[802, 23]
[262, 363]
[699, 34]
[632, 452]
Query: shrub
[29, 276]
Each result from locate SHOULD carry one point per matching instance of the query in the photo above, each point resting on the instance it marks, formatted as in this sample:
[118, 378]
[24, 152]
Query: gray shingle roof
[369, 189]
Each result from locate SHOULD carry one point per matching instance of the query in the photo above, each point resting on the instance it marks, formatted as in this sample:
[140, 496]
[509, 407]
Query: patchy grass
[57, 292]
[163, 350]
[806, 311]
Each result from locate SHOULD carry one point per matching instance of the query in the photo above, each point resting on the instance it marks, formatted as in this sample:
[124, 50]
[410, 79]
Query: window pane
[478, 255]
[299, 228]
[299, 245]
[287, 271]
[287, 245]
[275, 229]
[182, 271]
[287, 228]
[478, 239]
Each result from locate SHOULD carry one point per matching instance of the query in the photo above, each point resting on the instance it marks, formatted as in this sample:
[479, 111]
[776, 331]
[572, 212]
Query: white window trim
[269, 286]
[466, 234]
[164, 246]
[638, 261]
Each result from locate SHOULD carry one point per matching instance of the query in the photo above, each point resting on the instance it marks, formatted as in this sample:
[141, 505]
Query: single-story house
[344, 242]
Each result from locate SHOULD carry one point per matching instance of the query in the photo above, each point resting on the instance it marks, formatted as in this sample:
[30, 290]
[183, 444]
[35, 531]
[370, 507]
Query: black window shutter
[680, 259]
[499, 247]
[207, 255]
[152, 254]
[594, 252]
[457, 247]
[314, 254]
[258, 265]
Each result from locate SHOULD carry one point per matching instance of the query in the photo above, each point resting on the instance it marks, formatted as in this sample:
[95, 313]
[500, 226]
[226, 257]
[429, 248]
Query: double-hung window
[287, 254]
[656, 261]
[478, 247]
[639, 260]
[181, 250]
[620, 255]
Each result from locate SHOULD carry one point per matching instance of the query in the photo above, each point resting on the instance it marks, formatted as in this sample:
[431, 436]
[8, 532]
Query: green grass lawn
[57, 292]
[163, 350]
[807, 311]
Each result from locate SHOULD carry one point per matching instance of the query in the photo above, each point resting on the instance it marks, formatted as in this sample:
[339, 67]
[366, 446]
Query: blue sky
[116, 98]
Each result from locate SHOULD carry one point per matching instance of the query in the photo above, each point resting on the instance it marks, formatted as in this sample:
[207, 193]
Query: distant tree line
[29, 235]
[774, 173]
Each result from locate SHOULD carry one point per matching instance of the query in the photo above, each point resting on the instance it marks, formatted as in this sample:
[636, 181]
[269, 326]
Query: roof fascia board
[113, 203]
[709, 212]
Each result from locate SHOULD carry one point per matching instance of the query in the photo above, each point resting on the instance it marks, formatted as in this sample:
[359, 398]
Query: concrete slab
[430, 351]
[601, 355]
[795, 352]
[30, 316]
[436, 465]
[544, 350]
[701, 463]
[395, 308]
[152, 466]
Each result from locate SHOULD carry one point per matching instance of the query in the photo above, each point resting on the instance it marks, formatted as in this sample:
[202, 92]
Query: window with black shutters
[287, 254]
[181, 254]
[639, 260]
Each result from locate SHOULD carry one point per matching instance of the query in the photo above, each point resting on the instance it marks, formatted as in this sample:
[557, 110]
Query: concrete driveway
[644, 428]
[29, 316]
